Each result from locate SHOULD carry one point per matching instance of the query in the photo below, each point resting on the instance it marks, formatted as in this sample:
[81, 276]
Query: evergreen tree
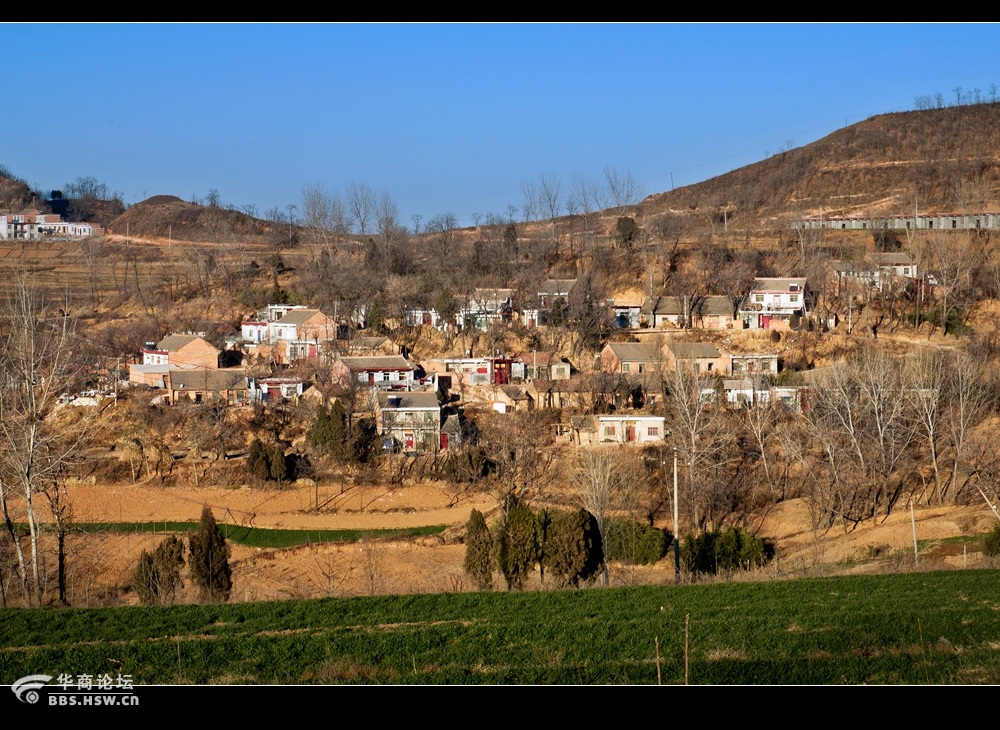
[573, 547]
[517, 544]
[479, 551]
[278, 468]
[210, 560]
[258, 463]
[158, 574]
[320, 437]
[144, 579]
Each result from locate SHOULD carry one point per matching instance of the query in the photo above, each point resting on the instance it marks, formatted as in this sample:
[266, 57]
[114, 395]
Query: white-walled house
[774, 303]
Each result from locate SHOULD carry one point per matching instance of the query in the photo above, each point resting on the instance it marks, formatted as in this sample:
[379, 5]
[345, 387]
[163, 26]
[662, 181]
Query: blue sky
[454, 117]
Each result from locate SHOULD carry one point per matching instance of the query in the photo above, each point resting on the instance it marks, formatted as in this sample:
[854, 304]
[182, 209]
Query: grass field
[916, 628]
[259, 537]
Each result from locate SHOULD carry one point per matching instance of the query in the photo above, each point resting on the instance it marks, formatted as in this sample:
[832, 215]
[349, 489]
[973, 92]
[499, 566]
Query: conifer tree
[158, 574]
[210, 559]
[479, 551]
[517, 544]
[278, 468]
[573, 547]
[258, 463]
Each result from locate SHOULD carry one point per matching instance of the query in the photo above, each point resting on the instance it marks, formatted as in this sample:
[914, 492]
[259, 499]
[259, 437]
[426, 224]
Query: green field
[916, 628]
[259, 537]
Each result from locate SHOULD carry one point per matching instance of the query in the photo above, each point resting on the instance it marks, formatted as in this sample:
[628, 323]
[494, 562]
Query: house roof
[516, 392]
[298, 316]
[705, 306]
[175, 342]
[539, 358]
[778, 284]
[409, 401]
[205, 379]
[897, 258]
[693, 350]
[556, 287]
[361, 363]
[635, 351]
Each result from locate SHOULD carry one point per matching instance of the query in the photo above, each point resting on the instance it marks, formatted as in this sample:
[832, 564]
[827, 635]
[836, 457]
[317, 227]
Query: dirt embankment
[101, 565]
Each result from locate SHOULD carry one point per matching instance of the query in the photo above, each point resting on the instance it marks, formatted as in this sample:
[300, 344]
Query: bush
[210, 569]
[516, 543]
[479, 551]
[636, 543]
[991, 543]
[158, 574]
[572, 547]
[725, 550]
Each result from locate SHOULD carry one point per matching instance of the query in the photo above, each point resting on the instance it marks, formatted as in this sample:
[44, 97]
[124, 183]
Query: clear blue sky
[449, 118]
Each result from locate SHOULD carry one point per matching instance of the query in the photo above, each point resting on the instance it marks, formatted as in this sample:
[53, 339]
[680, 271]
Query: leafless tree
[361, 201]
[35, 451]
[322, 211]
[623, 189]
[387, 216]
[529, 200]
[550, 197]
[604, 483]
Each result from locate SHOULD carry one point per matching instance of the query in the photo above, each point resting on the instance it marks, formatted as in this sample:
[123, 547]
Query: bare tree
[387, 216]
[34, 450]
[550, 197]
[529, 200]
[361, 205]
[604, 483]
[322, 211]
[623, 189]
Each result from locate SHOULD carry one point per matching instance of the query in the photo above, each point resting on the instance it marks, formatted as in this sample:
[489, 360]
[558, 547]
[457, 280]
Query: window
[609, 432]
[653, 432]
[642, 367]
[793, 298]
[626, 366]
[759, 298]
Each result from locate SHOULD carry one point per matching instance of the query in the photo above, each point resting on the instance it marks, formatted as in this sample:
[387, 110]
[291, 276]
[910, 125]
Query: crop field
[916, 628]
[259, 537]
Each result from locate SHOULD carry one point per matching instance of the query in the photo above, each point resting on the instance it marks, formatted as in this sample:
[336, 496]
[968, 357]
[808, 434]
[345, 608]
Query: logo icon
[26, 688]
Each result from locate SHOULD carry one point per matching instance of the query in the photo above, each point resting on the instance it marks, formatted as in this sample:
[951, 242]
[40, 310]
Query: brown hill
[942, 160]
[16, 195]
[169, 217]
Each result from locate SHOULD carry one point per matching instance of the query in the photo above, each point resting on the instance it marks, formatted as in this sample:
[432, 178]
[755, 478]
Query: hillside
[169, 217]
[943, 160]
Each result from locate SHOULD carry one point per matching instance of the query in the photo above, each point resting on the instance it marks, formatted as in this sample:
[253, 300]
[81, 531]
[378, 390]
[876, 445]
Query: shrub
[516, 543]
[635, 543]
[210, 569]
[572, 547]
[158, 574]
[725, 550]
[991, 543]
[479, 551]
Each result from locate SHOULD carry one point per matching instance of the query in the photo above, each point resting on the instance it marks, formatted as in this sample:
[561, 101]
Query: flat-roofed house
[409, 422]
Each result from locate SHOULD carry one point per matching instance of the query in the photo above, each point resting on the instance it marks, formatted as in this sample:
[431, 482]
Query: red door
[444, 442]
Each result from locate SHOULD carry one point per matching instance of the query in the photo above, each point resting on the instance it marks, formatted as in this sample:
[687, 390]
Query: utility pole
[677, 544]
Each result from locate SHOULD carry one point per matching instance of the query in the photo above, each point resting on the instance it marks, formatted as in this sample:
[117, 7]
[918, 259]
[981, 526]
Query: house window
[793, 298]
[759, 298]
[626, 367]
[609, 432]
[653, 432]
[906, 271]
[954, 223]
[642, 367]
[711, 366]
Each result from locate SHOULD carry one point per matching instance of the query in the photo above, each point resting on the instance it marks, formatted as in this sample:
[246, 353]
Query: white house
[774, 303]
